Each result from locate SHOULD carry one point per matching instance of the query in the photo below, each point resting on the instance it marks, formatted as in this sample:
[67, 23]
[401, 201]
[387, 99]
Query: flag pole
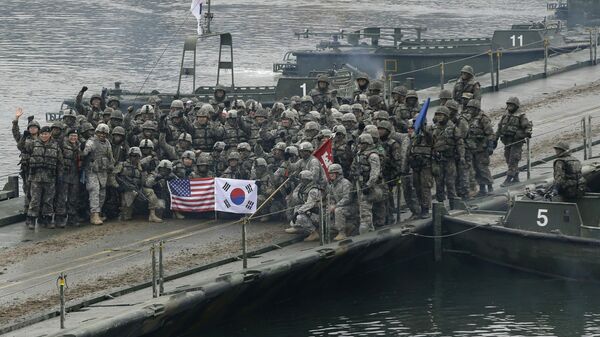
[269, 198]
[244, 248]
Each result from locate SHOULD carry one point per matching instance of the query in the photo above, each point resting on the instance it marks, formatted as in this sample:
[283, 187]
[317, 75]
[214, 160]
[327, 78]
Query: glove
[82, 146]
[130, 109]
[30, 118]
[329, 105]
[287, 156]
[104, 92]
[281, 134]
[84, 89]
[361, 126]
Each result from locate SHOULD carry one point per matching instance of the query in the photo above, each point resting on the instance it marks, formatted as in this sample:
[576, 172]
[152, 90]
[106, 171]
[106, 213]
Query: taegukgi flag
[236, 195]
[196, 9]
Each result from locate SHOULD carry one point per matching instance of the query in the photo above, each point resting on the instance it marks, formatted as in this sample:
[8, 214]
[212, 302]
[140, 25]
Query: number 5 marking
[542, 217]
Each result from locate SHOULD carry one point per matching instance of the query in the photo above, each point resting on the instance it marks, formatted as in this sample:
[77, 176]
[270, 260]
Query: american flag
[192, 195]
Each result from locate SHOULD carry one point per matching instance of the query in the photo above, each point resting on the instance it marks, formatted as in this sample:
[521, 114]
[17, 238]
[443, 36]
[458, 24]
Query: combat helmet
[103, 128]
[345, 108]
[134, 151]
[177, 104]
[376, 85]
[336, 168]
[306, 175]
[189, 155]
[37, 124]
[562, 146]
[443, 110]
[349, 117]
[306, 146]
[306, 99]
[412, 94]
[149, 125]
[358, 106]
[260, 162]
[365, 138]
[165, 163]
[514, 100]
[339, 129]
[474, 103]
[400, 90]
[185, 136]
[95, 96]
[206, 111]
[146, 109]
[452, 105]
[386, 125]
[112, 99]
[445, 94]
[119, 130]
[468, 69]
[117, 114]
[311, 126]
[146, 144]
[323, 78]
[244, 146]
[363, 76]
[280, 146]
[233, 155]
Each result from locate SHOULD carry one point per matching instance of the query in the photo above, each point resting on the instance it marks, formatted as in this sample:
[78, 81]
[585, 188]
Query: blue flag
[422, 116]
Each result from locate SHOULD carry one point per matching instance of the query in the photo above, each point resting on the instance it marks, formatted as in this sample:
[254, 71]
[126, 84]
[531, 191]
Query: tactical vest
[476, 138]
[131, 174]
[365, 166]
[183, 171]
[572, 172]
[445, 139]
[70, 154]
[234, 136]
[303, 193]
[203, 137]
[510, 125]
[44, 156]
[101, 160]
[461, 87]
[389, 167]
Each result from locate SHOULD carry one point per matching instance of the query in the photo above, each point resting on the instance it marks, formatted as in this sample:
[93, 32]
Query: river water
[50, 49]
[458, 297]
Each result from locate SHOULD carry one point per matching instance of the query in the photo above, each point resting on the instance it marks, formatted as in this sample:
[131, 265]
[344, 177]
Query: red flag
[325, 156]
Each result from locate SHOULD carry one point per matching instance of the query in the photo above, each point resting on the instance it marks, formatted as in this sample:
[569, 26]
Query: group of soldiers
[100, 162]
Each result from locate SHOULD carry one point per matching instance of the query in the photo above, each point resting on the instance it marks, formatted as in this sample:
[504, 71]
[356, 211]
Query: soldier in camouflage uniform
[307, 197]
[321, 94]
[399, 96]
[219, 101]
[119, 147]
[184, 143]
[569, 183]
[459, 120]
[67, 196]
[466, 88]
[480, 145]
[444, 97]
[513, 130]
[447, 146]
[367, 172]
[157, 183]
[203, 166]
[206, 133]
[266, 186]
[286, 132]
[116, 119]
[362, 86]
[247, 157]
[234, 169]
[342, 150]
[396, 169]
[236, 130]
[308, 162]
[131, 182]
[45, 171]
[150, 159]
[29, 135]
[99, 164]
[407, 111]
[341, 202]
[420, 158]
[185, 166]
[175, 124]
[218, 159]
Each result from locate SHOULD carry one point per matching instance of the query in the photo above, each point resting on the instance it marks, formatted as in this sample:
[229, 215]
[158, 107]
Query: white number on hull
[542, 217]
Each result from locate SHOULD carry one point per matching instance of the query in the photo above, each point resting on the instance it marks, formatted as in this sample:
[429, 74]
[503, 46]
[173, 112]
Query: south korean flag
[235, 195]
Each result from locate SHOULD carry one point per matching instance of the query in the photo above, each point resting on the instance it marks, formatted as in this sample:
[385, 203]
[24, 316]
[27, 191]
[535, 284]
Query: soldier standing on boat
[479, 145]
[321, 94]
[45, 171]
[29, 135]
[466, 88]
[99, 164]
[341, 202]
[514, 128]
[569, 183]
[362, 86]
[367, 175]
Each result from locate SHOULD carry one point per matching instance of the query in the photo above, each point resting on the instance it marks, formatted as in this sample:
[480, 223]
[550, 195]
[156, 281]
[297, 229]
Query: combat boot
[425, 213]
[49, 221]
[507, 181]
[125, 214]
[72, 220]
[178, 215]
[95, 219]
[30, 222]
[61, 221]
[314, 236]
[516, 179]
[341, 236]
[153, 218]
[482, 191]
[292, 230]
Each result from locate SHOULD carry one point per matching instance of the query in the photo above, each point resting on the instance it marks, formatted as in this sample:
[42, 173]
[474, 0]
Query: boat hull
[542, 253]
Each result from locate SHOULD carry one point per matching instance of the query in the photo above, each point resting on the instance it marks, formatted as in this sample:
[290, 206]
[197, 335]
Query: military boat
[559, 239]
[384, 52]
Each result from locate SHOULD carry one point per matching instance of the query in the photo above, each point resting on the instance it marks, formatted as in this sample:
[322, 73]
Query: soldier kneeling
[341, 203]
[306, 211]
[130, 177]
